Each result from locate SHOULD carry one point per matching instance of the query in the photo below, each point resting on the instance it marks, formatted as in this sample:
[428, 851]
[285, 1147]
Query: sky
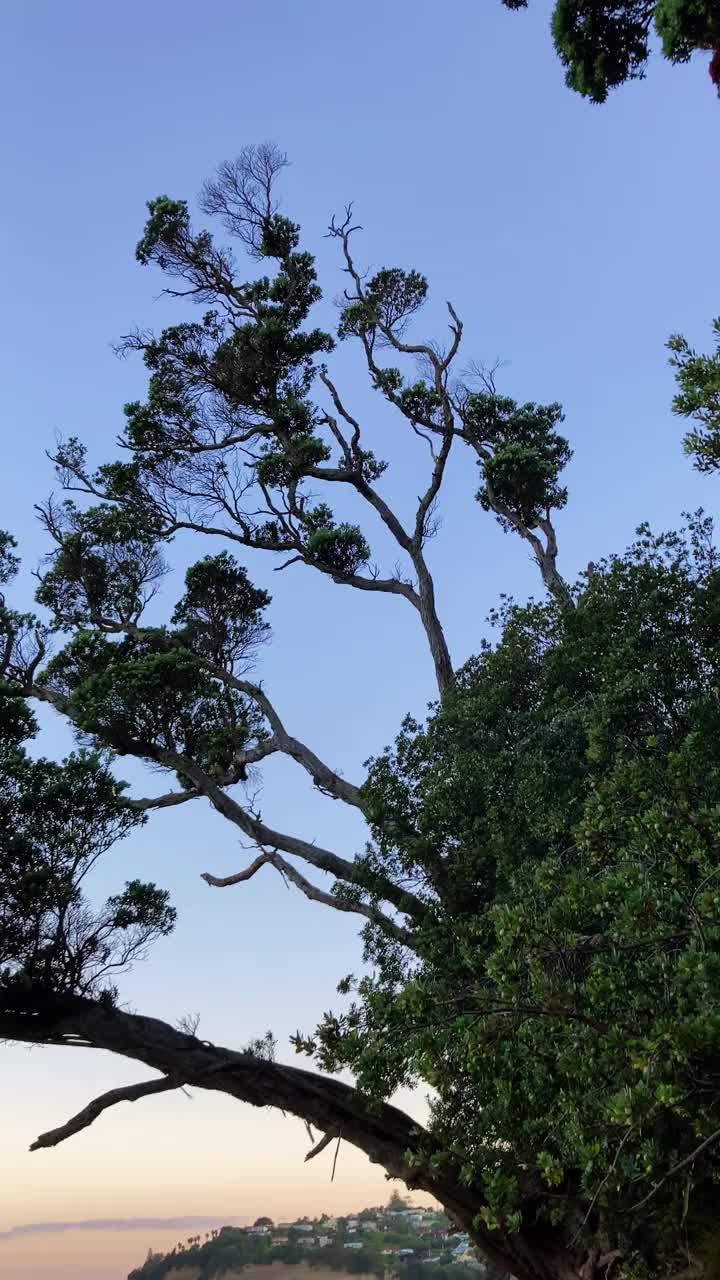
[571, 239]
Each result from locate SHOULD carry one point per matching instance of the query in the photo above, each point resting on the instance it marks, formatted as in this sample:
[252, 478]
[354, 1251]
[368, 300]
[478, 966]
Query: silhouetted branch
[90, 1113]
[312, 892]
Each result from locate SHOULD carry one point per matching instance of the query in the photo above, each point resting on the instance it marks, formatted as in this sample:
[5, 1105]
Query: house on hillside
[461, 1250]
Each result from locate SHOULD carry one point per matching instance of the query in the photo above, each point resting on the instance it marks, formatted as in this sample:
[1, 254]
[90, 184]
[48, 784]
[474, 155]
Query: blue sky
[571, 239]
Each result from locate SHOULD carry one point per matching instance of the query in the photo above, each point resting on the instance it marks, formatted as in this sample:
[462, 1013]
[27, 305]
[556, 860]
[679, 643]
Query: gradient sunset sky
[572, 240]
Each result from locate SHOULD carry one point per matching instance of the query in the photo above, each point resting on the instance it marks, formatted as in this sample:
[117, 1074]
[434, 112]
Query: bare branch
[189, 1023]
[166, 801]
[90, 1113]
[241, 193]
[456, 329]
[325, 778]
[324, 1142]
[335, 1157]
[323, 859]
[312, 892]
[225, 882]
[352, 422]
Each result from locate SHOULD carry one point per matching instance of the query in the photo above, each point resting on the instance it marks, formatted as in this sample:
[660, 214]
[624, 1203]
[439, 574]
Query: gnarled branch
[384, 1133]
[325, 778]
[312, 892]
[262, 835]
[323, 859]
[90, 1113]
[324, 1142]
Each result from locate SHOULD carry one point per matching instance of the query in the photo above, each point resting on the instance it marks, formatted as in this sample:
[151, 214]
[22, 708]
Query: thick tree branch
[238, 877]
[325, 778]
[426, 501]
[384, 1133]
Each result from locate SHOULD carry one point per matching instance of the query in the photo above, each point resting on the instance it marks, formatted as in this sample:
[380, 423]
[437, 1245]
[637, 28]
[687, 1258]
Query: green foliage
[686, 25]
[9, 562]
[56, 820]
[562, 815]
[698, 398]
[392, 297]
[104, 570]
[148, 695]
[527, 455]
[150, 691]
[603, 43]
[220, 615]
[167, 225]
[341, 548]
[278, 467]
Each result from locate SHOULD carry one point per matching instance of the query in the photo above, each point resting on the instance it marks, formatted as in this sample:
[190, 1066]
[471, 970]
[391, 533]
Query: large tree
[539, 889]
[604, 43]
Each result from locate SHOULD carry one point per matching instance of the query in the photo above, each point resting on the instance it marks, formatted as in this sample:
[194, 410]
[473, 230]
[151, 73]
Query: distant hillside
[397, 1240]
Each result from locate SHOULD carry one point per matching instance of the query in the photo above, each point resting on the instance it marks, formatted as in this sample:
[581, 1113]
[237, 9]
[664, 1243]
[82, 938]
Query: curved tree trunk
[385, 1133]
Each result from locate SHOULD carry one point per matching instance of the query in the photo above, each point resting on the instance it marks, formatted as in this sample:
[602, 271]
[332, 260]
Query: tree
[539, 894]
[397, 1203]
[698, 398]
[56, 821]
[264, 1222]
[604, 43]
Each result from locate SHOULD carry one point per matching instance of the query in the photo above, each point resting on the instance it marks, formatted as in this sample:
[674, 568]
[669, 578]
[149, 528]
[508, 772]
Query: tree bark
[442, 661]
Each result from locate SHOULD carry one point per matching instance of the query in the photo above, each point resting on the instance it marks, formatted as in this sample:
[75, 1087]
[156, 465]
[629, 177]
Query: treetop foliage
[603, 43]
[234, 440]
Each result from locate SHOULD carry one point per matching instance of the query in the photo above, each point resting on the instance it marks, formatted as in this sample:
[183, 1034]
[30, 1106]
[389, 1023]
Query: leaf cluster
[56, 820]
[603, 43]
